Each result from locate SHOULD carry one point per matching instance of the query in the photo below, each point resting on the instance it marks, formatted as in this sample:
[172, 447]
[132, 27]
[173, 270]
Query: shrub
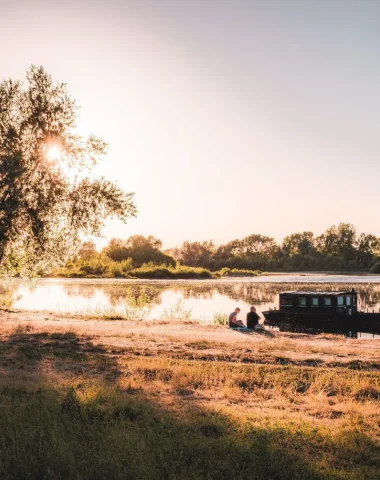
[177, 312]
[220, 319]
[126, 265]
[237, 272]
[96, 266]
[105, 267]
[138, 307]
[8, 299]
[116, 270]
[224, 272]
[164, 272]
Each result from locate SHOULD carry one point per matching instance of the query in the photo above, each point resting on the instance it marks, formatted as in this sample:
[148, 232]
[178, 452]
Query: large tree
[367, 246]
[87, 251]
[299, 244]
[338, 241]
[48, 197]
[195, 254]
[257, 245]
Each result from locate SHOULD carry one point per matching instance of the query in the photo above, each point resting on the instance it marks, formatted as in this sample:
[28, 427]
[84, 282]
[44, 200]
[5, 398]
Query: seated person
[233, 322]
[252, 318]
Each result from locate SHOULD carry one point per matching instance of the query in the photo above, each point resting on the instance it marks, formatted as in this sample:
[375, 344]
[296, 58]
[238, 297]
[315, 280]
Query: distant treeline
[340, 248]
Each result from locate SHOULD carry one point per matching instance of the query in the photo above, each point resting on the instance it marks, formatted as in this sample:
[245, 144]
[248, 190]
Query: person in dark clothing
[233, 322]
[252, 318]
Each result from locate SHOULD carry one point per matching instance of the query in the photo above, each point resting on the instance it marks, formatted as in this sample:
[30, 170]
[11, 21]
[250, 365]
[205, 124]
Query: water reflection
[204, 298]
[375, 334]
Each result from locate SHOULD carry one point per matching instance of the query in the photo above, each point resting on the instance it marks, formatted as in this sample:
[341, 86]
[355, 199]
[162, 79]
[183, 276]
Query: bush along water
[104, 267]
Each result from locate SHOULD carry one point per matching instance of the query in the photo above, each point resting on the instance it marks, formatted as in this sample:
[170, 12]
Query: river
[199, 300]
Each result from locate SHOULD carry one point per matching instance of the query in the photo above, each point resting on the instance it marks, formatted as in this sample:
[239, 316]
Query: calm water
[202, 298]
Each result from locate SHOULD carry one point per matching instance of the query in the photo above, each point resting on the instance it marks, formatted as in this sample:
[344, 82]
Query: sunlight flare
[53, 154]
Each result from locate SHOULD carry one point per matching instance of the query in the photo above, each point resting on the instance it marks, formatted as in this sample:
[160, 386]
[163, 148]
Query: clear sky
[226, 117]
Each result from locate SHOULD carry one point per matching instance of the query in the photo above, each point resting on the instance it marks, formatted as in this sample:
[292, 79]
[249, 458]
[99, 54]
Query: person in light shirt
[233, 322]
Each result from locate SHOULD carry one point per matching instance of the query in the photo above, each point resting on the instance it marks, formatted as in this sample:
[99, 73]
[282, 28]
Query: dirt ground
[190, 340]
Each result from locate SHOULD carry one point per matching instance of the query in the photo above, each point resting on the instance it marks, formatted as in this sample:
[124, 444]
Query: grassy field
[87, 399]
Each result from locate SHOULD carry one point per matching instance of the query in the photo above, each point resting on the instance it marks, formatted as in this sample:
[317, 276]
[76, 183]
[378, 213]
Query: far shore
[264, 276]
[228, 277]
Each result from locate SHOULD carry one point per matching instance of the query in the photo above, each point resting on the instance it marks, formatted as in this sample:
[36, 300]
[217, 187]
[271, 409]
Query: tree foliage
[139, 248]
[251, 252]
[299, 244]
[339, 248]
[194, 254]
[47, 201]
[338, 241]
[87, 251]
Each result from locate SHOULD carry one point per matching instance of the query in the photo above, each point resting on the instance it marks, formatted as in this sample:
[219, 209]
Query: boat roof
[319, 294]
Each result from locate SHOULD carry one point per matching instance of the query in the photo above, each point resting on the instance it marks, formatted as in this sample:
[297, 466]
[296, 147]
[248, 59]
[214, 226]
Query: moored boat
[322, 311]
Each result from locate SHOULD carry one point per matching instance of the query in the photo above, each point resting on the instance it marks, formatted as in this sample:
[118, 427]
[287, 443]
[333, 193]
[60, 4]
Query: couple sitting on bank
[252, 319]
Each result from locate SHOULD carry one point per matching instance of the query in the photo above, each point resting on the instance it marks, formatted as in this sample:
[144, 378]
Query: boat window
[286, 302]
[315, 302]
[348, 301]
[354, 301]
[327, 301]
[302, 301]
[340, 301]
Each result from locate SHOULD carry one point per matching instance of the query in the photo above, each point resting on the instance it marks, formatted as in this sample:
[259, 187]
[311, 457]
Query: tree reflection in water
[212, 295]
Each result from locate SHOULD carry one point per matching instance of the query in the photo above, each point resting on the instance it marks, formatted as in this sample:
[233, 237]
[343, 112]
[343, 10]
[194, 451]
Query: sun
[53, 154]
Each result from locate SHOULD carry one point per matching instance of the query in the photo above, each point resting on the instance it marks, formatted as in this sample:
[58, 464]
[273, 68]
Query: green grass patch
[77, 410]
[64, 433]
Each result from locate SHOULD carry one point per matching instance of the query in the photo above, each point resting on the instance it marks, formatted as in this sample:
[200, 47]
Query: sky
[225, 117]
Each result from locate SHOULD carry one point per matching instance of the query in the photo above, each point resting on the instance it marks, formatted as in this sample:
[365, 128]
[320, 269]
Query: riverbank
[193, 273]
[107, 268]
[85, 398]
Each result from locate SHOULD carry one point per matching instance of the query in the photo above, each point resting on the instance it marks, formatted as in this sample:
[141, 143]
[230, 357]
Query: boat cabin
[320, 302]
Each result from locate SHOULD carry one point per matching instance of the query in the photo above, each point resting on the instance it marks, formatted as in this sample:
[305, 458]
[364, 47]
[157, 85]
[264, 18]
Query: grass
[72, 406]
[76, 432]
[8, 299]
[220, 318]
[178, 311]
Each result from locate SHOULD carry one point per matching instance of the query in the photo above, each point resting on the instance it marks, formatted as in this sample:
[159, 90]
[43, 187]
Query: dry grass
[92, 399]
